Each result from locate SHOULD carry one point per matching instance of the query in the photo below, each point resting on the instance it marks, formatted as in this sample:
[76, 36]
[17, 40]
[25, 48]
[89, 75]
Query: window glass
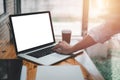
[66, 14]
[1, 7]
[98, 11]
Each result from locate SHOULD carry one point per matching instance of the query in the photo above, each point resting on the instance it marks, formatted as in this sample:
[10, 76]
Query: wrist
[72, 49]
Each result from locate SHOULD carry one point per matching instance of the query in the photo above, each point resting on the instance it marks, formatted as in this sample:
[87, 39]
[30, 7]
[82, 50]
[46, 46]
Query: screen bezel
[37, 47]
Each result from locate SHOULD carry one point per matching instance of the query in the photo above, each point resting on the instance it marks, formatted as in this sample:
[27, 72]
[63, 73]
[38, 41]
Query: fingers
[56, 46]
[59, 50]
[62, 47]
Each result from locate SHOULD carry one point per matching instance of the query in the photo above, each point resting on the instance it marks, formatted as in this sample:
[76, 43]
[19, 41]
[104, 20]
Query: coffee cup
[66, 36]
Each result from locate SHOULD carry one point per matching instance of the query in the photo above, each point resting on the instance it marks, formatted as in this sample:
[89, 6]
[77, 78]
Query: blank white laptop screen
[32, 30]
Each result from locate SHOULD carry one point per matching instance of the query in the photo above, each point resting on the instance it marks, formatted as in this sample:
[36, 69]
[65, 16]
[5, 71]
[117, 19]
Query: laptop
[59, 73]
[33, 37]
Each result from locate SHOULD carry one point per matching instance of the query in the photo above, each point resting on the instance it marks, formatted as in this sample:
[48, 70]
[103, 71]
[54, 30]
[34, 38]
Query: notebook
[59, 73]
[33, 37]
[10, 69]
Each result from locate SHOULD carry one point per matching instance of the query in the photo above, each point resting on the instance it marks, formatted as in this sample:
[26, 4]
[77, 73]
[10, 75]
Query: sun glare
[100, 4]
[97, 8]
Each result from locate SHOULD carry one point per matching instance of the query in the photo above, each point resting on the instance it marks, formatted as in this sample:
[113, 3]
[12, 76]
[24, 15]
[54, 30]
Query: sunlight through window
[66, 14]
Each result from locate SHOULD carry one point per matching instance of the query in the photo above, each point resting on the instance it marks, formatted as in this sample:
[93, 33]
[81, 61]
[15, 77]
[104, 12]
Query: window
[98, 11]
[66, 14]
[2, 9]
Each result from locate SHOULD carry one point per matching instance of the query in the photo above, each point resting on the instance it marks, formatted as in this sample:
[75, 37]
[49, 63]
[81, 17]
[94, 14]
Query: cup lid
[66, 31]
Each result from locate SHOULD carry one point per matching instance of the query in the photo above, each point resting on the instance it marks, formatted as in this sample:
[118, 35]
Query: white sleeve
[101, 33]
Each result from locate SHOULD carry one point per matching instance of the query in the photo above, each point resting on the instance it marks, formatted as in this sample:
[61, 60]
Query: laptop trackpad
[52, 58]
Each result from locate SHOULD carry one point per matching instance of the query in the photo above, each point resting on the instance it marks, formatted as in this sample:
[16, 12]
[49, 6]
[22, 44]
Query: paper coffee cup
[66, 35]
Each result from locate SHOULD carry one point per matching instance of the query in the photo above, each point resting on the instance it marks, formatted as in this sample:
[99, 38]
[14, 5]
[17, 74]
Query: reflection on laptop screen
[32, 30]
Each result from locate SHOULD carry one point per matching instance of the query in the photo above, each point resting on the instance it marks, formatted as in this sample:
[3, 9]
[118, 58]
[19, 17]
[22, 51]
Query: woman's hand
[63, 47]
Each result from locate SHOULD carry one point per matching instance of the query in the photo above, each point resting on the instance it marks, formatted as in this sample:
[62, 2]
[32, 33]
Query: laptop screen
[32, 30]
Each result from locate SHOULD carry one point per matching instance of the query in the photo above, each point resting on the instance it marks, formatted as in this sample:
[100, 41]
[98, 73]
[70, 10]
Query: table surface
[9, 53]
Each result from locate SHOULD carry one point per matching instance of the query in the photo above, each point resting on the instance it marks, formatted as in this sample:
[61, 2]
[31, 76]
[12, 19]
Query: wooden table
[9, 53]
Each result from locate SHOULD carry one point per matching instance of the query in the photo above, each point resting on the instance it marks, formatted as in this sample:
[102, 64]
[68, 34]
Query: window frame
[17, 8]
[4, 8]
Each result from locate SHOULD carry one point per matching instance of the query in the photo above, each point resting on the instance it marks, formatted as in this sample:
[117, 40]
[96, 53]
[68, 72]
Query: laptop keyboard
[42, 52]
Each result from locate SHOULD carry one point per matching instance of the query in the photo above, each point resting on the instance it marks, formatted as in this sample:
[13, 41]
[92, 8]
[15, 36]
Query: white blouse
[103, 32]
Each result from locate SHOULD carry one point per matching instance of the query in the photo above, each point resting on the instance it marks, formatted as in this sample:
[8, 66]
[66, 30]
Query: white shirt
[106, 30]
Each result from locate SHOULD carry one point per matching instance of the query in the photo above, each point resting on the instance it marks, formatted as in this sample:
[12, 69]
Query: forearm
[99, 34]
[84, 43]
